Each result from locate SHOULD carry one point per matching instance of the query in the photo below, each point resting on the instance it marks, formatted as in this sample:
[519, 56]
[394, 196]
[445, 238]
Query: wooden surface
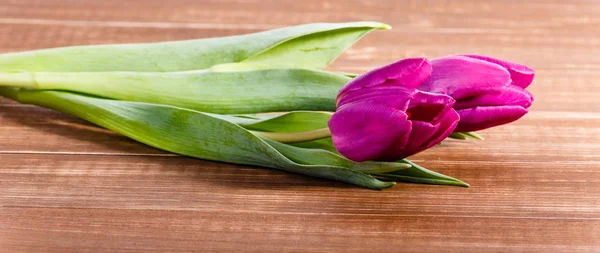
[67, 186]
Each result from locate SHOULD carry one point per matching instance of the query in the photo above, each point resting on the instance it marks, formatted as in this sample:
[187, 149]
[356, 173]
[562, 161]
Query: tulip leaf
[351, 75]
[296, 121]
[418, 174]
[304, 46]
[268, 90]
[474, 135]
[320, 156]
[414, 174]
[309, 51]
[326, 144]
[457, 136]
[193, 133]
[465, 135]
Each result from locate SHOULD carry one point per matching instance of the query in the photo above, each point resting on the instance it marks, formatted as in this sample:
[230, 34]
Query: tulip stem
[18, 79]
[9, 92]
[294, 137]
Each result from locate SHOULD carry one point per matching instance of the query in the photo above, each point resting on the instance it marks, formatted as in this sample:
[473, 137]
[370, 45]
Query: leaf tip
[375, 24]
[474, 136]
[457, 136]
[462, 183]
[387, 185]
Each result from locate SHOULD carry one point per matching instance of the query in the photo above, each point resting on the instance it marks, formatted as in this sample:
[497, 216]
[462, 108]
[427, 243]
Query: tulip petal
[408, 73]
[363, 131]
[521, 75]
[434, 133]
[448, 124]
[424, 135]
[421, 133]
[462, 77]
[394, 96]
[478, 118]
[429, 107]
[511, 95]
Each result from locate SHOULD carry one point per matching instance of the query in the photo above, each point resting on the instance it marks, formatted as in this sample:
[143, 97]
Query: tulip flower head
[488, 92]
[382, 116]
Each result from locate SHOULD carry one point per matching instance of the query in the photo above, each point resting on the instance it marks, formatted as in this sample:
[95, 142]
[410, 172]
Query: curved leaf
[418, 174]
[306, 121]
[305, 46]
[414, 174]
[296, 121]
[187, 132]
[320, 156]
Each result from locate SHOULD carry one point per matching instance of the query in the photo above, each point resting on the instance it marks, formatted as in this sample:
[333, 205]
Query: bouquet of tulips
[263, 99]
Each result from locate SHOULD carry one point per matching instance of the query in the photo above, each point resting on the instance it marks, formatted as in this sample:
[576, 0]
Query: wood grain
[69, 186]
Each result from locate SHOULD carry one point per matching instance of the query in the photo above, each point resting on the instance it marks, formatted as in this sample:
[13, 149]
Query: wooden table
[68, 186]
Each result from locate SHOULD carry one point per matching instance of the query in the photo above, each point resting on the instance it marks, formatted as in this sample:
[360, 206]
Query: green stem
[294, 137]
[18, 79]
[9, 92]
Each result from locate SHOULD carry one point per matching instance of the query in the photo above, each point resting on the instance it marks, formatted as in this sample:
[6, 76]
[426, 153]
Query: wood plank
[496, 13]
[55, 133]
[110, 230]
[517, 191]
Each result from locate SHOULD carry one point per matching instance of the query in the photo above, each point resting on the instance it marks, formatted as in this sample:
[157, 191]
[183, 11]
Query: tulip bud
[382, 116]
[488, 92]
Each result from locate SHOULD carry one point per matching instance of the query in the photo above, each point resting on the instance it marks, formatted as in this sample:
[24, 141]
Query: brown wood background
[67, 186]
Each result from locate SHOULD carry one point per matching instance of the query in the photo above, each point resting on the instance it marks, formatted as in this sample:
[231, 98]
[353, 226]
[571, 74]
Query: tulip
[488, 92]
[382, 116]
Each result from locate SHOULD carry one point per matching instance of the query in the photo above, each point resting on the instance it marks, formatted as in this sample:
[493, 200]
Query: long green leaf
[252, 91]
[320, 156]
[418, 174]
[304, 46]
[306, 121]
[415, 173]
[187, 132]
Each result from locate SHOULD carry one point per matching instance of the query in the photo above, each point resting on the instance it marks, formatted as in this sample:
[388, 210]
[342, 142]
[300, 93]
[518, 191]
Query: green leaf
[326, 144]
[296, 121]
[192, 133]
[351, 75]
[320, 156]
[418, 174]
[465, 135]
[309, 51]
[457, 136]
[414, 174]
[253, 91]
[304, 46]
[474, 135]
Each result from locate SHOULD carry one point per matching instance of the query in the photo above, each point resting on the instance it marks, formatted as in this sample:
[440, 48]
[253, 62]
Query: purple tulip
[488, 92]
[382, 116]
